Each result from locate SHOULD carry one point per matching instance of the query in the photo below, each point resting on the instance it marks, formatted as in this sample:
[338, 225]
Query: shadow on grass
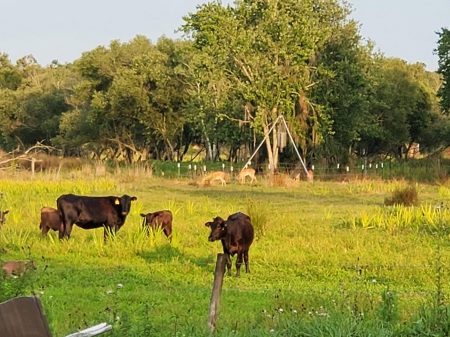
[206, 263]
[165, 252]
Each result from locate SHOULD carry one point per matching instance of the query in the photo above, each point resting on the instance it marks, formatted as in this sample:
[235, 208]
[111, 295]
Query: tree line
[221, 87]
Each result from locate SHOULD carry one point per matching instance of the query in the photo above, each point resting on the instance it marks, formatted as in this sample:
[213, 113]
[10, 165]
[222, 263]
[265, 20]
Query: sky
[62, 30]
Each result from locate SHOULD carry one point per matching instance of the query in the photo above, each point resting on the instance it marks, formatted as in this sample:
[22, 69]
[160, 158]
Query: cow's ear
[6, 212]
[117, 201]
[133, 198]
[143, 215]
[208, 224]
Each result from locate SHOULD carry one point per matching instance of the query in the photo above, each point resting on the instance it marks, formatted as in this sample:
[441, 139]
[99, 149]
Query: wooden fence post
[33, 165]
[216, 291]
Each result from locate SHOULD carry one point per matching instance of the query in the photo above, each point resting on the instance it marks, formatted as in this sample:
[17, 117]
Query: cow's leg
[109, 231]
[168, 233]
[64, 228]
[68, 230]
[229, 264]
[238, 264]
[61, 231]
[247, 267]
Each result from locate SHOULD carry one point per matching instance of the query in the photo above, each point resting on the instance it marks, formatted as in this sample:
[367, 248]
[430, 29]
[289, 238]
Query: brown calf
[236, 235]
[50, 219]
[160, 219]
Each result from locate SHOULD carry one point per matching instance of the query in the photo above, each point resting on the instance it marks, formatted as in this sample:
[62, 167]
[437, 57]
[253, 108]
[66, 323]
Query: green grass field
[329, 259]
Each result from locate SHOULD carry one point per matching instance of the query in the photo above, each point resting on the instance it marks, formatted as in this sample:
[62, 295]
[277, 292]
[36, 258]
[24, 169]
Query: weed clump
[259, 215]
[407, 196]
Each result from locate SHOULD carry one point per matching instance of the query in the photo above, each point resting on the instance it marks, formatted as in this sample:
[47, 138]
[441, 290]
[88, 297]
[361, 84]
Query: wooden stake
[216, 292]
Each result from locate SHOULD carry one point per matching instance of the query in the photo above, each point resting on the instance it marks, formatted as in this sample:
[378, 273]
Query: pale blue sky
[63, 30]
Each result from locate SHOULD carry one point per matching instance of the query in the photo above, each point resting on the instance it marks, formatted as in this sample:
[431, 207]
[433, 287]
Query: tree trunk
[271, 145]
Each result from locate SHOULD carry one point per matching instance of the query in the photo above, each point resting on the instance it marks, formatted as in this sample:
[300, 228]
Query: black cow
[93, 212]
[161, 219]
[3, 217]
[50, 219]
[236, 235]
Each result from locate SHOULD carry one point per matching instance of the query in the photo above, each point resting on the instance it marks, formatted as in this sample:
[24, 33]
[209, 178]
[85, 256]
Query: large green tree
[343, 89]
[10, 76]
[31, 102]
[208, 108]
[126, 105]
[267, 50]
[401, 108]
[443, 52]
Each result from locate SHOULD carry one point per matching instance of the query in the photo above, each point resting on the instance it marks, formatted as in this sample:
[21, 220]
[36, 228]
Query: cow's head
[148, 218]
[125, 203]
[3, 217]
[218, 228]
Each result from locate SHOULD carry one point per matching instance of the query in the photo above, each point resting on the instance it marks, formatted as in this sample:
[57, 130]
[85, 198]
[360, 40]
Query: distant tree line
[222, 86]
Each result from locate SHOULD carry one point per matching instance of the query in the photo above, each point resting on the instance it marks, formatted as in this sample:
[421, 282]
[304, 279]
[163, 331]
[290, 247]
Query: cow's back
[88, 212]
[239, 216]
[243, 226]
[248, 233]
[240, 233]
[165, 217]
[164, 220]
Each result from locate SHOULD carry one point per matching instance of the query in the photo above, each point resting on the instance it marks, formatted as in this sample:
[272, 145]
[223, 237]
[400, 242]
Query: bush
[259, 215]
[407, 197]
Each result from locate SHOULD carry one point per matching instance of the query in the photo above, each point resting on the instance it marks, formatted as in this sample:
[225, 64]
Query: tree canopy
[443, 52]
[225, 83]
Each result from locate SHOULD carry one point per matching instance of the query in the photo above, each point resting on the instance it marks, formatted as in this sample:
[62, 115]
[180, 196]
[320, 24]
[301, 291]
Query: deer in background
[310, 176]
[246, 172]
[216, 175]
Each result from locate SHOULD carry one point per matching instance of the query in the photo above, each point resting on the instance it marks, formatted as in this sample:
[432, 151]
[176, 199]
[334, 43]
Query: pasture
[328, 258]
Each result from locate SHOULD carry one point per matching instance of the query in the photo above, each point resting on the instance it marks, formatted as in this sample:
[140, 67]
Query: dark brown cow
[3, 217]
[93, 212]
[236, 235]
[160, 219]
[50, 219]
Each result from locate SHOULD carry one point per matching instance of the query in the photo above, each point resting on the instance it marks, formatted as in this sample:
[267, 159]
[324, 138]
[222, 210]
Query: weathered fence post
[33, 165]
[216, 291]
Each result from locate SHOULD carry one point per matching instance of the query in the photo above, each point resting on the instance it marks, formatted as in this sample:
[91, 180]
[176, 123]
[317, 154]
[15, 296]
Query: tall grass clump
[425, 219]
[259, 215]
[388, 309]
[407, 196]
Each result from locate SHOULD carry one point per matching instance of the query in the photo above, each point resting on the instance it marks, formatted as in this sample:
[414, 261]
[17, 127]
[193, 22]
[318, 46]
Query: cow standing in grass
[236, 235]
[93, 212]
[160, 219]
[50, 219]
